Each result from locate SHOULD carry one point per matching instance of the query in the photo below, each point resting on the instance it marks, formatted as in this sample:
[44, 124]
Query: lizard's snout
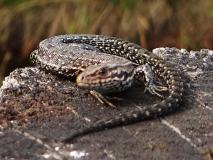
[80, 80]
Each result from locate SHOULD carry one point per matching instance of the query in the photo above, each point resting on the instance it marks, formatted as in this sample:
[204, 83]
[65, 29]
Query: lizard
[111, 69]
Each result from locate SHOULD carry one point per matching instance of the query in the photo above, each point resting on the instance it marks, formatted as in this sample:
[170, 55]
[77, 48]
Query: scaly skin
[138, 56]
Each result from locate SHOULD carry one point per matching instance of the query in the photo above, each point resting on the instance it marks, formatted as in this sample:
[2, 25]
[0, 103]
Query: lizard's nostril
[81, 78]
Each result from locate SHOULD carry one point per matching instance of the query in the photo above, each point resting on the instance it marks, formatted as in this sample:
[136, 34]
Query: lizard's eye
[102, 71]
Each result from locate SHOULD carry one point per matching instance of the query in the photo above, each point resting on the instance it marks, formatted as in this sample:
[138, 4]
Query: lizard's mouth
[91, 83]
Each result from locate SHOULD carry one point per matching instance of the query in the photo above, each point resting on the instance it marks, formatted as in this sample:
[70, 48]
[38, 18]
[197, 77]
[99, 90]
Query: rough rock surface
[38, 108]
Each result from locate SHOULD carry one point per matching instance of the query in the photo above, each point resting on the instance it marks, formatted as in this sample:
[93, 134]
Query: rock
[38, 109]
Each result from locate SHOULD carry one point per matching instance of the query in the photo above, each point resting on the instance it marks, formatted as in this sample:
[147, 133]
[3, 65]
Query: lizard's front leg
[101, 98]
[150, 85]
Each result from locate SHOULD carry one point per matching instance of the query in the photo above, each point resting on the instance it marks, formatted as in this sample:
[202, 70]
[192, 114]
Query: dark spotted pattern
[138, 56]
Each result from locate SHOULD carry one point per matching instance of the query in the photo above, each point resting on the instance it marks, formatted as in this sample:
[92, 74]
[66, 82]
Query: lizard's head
[107, 77]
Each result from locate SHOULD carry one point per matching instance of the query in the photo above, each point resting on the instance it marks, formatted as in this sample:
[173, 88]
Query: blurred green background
[150, 23]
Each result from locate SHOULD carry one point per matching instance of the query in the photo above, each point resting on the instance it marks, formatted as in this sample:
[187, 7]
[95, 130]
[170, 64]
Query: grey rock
[37, 109]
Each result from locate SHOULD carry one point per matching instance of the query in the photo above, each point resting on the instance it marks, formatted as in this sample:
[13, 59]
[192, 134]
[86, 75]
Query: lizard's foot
[147, 72]
[101, 98]
[155, 90]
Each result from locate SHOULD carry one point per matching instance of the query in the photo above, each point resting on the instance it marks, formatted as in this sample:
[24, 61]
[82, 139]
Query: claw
[161, 88]
[149, 81]
[154, 90]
